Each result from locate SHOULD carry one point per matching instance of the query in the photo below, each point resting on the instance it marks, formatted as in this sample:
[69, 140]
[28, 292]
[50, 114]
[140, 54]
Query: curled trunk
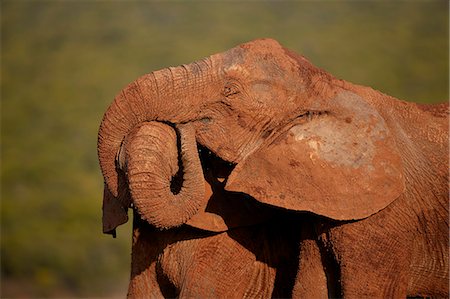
[165, 191]
[166, 96]
[138, 113]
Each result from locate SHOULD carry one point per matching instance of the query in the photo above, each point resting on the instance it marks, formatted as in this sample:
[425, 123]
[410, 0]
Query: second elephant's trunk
[166, 183]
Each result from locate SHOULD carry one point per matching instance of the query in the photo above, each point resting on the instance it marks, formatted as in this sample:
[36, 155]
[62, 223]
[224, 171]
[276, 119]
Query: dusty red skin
[337, 190]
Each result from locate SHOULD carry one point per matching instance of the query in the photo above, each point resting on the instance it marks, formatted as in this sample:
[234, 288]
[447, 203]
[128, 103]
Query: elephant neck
[422, 139]
[422, 135]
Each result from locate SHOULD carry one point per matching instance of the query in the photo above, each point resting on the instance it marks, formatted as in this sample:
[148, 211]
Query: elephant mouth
[216, 170]
[224, 210]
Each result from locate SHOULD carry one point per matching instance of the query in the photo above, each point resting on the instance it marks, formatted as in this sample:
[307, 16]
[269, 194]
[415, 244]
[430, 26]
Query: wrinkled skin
[256, 173]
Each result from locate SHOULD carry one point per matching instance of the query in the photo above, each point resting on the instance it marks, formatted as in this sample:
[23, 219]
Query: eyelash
[230, 89]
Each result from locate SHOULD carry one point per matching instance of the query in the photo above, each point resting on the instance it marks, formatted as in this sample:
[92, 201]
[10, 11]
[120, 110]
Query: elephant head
[298, 138]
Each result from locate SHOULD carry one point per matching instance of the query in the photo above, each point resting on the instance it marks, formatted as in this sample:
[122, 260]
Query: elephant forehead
[260, 59]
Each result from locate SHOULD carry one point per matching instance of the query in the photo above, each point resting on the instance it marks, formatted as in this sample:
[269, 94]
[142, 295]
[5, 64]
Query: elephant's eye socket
[311, 115]
[230, 89]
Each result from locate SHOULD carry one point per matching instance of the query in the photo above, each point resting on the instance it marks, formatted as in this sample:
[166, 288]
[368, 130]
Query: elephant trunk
[162, 196]
[172, 95]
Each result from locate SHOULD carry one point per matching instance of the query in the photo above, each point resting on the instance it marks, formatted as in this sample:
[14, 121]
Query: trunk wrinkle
[164, 173]
[152, 98]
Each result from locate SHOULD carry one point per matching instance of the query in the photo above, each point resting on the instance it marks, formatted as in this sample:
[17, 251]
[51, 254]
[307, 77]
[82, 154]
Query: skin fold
[252, 173]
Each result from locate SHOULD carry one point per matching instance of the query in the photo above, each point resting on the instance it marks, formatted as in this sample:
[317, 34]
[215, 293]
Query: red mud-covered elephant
[252, 173]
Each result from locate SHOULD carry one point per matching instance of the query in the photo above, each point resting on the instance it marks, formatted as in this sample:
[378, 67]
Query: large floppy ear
[114, 212]
[342, 163]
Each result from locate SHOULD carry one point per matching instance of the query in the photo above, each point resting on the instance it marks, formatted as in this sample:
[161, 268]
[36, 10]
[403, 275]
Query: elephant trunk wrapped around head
[262, 108]
[146, 137]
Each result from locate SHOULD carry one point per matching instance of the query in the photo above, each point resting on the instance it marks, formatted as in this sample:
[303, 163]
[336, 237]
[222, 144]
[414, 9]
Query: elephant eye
[230, 89]
[311, 115]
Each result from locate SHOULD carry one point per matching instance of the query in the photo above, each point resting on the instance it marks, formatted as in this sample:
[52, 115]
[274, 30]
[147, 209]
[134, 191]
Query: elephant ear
[341, 163]
[114, 212]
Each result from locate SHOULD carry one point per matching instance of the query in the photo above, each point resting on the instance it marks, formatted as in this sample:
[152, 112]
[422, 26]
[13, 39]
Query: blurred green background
[63, 62]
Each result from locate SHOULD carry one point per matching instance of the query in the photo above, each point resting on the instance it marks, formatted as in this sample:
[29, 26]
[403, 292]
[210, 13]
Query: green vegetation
[63, 62]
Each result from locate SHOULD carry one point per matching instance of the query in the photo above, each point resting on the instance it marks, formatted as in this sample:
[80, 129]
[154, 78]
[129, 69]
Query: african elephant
[254, 170]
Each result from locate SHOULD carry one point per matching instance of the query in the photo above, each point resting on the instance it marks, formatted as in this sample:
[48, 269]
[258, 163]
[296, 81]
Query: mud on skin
[253, 173]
